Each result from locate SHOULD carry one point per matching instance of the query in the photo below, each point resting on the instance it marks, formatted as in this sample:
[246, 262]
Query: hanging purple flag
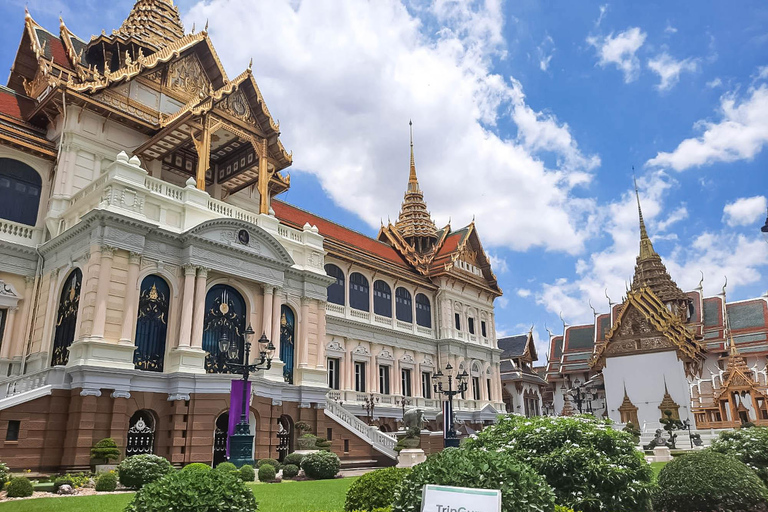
[236, 406]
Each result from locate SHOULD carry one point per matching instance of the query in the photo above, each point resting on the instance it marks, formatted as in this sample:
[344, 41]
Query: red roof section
[59, 53]
[293, 216]
[13, 105]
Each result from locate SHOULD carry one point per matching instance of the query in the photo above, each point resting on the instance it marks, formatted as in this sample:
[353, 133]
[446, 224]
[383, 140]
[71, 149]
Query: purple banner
[236, 406]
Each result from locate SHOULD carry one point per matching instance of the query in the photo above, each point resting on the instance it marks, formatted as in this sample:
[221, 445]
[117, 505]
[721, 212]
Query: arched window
[335, 290]
[359, 297]
[224, 315]
[152, 324]
[382, 299]
[20, 187]
[141, 434]
[423, 311]
[287, 329]
[66, 318]
[403, 307]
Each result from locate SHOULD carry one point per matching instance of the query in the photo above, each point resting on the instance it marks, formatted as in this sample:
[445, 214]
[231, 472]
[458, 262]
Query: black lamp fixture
[451, 438]
[764, 229]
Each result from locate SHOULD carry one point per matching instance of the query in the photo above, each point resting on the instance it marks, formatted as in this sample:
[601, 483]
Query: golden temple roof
[153, 22]
[414, 220]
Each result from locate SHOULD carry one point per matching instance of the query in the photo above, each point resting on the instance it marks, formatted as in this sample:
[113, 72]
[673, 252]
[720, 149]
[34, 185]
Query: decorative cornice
[90, 392]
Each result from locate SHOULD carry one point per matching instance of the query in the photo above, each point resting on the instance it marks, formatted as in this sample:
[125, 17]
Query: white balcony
[366, 317]
[20, 233]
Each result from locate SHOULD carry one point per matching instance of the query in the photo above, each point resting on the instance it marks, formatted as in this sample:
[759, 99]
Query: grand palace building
[140, 227]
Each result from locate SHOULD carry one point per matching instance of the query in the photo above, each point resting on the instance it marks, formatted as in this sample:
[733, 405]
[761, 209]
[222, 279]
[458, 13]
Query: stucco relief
[187, 76]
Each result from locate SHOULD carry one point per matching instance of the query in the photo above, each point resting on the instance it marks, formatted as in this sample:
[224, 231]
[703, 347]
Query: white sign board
[440, 498]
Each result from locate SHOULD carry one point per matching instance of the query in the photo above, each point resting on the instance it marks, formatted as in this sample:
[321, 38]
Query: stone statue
[413, 418]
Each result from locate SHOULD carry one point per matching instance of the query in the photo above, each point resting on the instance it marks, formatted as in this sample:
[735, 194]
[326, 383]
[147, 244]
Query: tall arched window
[20, 187]
[287, 329]
[403, 307]
[141, 433]
[423, 311]
[335, 290]
[359, 297]
[66, 318]
[224, 315]
[382, 299]
[152, 324]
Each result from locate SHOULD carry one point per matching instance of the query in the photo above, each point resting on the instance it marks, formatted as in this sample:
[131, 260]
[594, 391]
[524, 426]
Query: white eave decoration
[9, 298]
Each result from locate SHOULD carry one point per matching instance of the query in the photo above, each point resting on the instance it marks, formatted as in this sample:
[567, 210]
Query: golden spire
[646, 247]
[155, 23]
[413, 182]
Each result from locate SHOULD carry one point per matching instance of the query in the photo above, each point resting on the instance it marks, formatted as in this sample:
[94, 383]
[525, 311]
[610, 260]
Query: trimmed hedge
[247, 474]
[293, 458]
[290, 470]
[139, 470]
[267, 473]
[375, 489]
[749, 445]
[19, 487]
[106, 482]
[271, 462]
[321, 465]
[197, 466]
[709, 480]
[227, 467]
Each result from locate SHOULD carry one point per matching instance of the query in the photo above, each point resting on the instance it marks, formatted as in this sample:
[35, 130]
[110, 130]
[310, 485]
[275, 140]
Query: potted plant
[104, 451]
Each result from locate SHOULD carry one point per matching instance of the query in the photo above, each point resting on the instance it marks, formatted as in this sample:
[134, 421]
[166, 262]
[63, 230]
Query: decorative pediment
[186, 77]
[428, 361]
[334, 346]
[407, 358]
[9, 298]
[386, 354]
[236, 105]
[361, 350]
[243, 236]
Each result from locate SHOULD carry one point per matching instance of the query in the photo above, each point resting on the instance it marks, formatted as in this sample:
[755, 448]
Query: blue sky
[527, 115]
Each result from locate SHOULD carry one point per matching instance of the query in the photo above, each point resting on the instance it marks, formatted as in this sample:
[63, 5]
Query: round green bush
[271, 462]
[5, 474]
[139, 470]
[106, 482]
[708, 480]
[590, 466]
[227, 467]
[63, 480]
[247, 474]
[375, 489]
[195, 491]
[293, 458]
[290, 470]
[522, 490]
[267, 473]
[749, 445]
[19, 487]
[105, 450]
[321, 465]
[196, 466]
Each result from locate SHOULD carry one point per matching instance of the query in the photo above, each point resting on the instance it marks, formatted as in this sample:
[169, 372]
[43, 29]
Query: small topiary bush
[19, 487]
[105, 450]
[139, 470]
[195, 491]
[247, 474]
[709, 480]
[5, 474]
[290, 470]
[590, 466]
[293, 458]
[106, 482]
[749, 445]
[227, 467]
[271, 462]
[375, 489]
[267, 473]
[522, 490]
[321, 465]
[196, 466]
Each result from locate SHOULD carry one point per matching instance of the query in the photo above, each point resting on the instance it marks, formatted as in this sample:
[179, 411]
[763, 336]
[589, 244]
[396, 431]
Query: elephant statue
[413, 418]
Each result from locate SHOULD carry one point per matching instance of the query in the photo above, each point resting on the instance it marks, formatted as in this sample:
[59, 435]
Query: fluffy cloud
[620, 51]
[740, 134]
[523, 292]
[344, 77]
[744, 211]
[545, 51]
[669, 69]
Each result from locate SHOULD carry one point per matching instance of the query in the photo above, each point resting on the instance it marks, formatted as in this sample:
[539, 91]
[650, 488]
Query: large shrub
[375, 489]
[19, 487]
[293, 458]
[139, 470]
[706, 481]
[749, 445]
[267, 473]
[290, 470]
[105, 450]
[5, 474]
[196, 466]
[271, 462]
[106, 482]
[321, 465]
[195, 491]
[590, 466]
[247, 474]
[522, 490]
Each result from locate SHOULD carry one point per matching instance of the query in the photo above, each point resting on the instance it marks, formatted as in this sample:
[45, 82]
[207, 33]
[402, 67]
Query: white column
[131, 299]
[23, 320]
[102, 291]
[321, 326]
[304, 358]
[198, 310]
[274, 335]
[5, 350]
[187, 303]
[266, 313]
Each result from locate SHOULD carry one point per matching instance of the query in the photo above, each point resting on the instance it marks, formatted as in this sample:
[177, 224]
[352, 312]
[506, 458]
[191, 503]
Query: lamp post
[582, 394]
[241, 442]
[451, 438]
[370, 404]
[687, 426]
[403, 402]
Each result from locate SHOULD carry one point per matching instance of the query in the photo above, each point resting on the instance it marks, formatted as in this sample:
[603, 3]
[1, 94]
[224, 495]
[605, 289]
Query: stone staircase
[381, 442]
[20, 389]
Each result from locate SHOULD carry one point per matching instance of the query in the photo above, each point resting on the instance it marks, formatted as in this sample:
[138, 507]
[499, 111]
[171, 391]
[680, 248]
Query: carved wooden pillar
[203, 147]
[263, 182]
[185, 329]
[131, 299]
[198, 310]
[102, 291]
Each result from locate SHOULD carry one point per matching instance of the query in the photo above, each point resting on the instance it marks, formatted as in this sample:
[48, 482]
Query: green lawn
[309, 496]
[656, 467]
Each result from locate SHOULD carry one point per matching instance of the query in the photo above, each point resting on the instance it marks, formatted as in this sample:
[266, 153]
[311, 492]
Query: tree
[670, 425]
[105, 450]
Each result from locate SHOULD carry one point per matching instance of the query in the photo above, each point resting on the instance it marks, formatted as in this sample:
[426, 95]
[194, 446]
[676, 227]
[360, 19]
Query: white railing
[376, 438]
[360, 314]
[164, 188]
[334, 308]
[23, 383]
[382, 320]
[23, 235]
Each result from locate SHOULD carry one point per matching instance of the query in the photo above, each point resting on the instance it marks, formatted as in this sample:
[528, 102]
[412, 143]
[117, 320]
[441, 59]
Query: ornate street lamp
[403, 402]
[241, 442]
[370, 404]
[451, 438]
[582, 394]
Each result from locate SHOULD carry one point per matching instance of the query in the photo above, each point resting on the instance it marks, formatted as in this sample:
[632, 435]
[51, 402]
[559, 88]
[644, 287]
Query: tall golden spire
[413, 182]
[646, 247]
[155, 23]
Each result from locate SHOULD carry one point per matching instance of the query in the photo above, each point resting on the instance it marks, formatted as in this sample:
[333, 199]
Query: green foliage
[195, 491]
[670, 425]
[226, 467]
[63, 480]
[708, 480]
[267, 473]
[522, 490]
[323, 444]
[5, 474]
[590, 466]
[749, 445]
[105, 450]
[247, 474]
[375, 489]
[106, 482]
[632, 430]
[293, 458]
[19, 487]
[321, 465]
[290, 470]
[139, 470]
[303, 426]
[271, 462]
[196, 466]
[560, 508]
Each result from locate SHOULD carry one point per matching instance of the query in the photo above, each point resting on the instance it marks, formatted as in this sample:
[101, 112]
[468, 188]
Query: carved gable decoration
[361, 350]
[407, 358]
[334, 346]
[8, 295]
[386, 354]
[186, 76]
[241, 236]
[236, 104]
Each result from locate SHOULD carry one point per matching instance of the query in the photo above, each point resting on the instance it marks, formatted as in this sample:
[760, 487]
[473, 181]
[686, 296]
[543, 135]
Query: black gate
[220, 439]
[284, 436]
[141, 434]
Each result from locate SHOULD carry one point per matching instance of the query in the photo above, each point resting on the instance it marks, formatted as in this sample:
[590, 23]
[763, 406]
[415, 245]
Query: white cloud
[524, 292]
[714, 83]
[603, 11]
[744, 211]
[669, 69]
[345, 76]
[669, 29]
[762, 73]
[740, 134]
[498, 263]
[545, 52]
[502, 302]
[620, 50]
[676, 215]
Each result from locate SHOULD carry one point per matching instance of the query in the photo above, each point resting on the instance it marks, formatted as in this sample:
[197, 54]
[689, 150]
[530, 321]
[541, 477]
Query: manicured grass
[309, 496]
[656, 467]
